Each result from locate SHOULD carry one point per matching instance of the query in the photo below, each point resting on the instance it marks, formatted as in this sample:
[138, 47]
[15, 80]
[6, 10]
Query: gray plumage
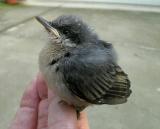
[82, 68]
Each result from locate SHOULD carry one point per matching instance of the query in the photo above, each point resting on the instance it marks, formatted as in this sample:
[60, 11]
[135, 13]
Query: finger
[60, 115]
[26, 116]
[83, 121]
[42, 87]
[30, 97]
[43, 105]
[43, 114]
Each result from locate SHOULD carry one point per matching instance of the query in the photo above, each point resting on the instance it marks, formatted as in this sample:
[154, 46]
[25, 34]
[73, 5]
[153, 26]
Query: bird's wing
[95, 78]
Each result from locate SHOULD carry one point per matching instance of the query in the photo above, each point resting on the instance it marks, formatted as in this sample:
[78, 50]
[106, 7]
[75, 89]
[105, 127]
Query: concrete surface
[12, 17]
[135, 36]
[95, 4]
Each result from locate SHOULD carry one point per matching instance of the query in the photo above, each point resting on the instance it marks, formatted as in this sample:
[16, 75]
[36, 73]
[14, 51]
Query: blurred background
[133, 27]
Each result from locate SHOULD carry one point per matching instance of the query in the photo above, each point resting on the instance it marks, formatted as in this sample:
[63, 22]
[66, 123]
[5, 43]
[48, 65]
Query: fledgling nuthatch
[79, 66]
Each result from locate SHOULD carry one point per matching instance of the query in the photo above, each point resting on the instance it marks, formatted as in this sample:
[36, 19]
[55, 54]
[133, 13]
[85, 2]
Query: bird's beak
[48, 27]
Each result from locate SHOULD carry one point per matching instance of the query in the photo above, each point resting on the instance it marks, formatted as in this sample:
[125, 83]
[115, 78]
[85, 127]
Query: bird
[81, 67]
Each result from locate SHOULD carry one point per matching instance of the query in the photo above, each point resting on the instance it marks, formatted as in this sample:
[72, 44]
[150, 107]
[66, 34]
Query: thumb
[60, 115]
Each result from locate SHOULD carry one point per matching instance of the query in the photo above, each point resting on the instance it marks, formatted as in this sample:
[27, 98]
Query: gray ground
[136, 37]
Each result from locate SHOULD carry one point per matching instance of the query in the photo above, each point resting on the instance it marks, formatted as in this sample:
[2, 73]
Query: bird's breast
[53, 77]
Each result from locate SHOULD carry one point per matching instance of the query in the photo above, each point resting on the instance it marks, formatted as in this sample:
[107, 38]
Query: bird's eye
[66, 32]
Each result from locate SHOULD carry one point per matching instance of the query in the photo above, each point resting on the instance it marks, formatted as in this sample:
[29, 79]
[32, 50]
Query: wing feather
[97, 80]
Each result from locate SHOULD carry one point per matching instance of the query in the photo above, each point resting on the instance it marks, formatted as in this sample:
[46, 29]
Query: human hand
[40, 109]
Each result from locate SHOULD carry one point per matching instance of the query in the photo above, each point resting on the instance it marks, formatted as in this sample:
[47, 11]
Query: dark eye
[66, 32]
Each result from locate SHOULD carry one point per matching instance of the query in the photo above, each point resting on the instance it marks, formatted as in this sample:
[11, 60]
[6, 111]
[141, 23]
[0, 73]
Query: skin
[40, 109]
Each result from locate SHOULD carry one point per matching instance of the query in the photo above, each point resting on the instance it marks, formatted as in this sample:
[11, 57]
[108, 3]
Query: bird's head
[70, 29]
